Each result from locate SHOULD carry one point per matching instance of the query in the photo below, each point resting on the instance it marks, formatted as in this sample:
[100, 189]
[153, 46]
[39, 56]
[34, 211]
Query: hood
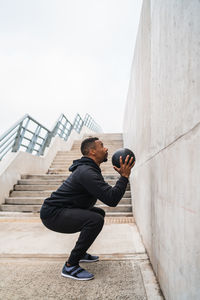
[83, 161]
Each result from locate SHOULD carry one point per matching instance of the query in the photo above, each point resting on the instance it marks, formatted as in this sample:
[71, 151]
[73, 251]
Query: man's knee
[98, 220]
[102, 212]
[98, 210]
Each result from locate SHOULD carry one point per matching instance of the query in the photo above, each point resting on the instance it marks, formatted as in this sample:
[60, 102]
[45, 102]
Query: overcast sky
[66, 56]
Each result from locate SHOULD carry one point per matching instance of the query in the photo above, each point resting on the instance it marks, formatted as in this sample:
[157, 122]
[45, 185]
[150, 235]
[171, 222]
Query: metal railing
[78, 123]
[27, 134]
[63, 127]
[90, 123]
[32, 136]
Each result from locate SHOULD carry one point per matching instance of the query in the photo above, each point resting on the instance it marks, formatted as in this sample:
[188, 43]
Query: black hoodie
[84, 186]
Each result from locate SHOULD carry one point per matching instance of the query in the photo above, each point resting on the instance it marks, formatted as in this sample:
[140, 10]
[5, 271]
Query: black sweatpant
[70, 220]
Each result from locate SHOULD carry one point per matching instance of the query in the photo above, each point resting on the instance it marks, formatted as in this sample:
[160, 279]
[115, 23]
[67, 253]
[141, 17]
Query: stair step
[108, 135]
[38, 182]
[44, 176]
[69, 156]
[119, 214]
[20, 208]
[111, 171]
[106, 143]
[56, 182]
[45, 193]
[69, 163]
[118, 208]
[64, 172]
[24, 200]
[61, 176]
[105, 139]
[37, 187]
[76, 150]
[40, 200]
[36, 208]
[116, 217]
[78, 154]
[64, 159]
[70, 160]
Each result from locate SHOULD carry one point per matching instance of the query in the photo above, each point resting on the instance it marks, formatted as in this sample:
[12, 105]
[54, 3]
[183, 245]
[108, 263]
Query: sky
[66, 56]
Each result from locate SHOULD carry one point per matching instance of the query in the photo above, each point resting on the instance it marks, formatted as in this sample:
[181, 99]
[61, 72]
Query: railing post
[45, 143]
[32, 143]
[16, 144]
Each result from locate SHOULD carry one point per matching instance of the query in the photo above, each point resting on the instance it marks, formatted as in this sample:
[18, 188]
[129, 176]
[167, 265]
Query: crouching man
[71, 208]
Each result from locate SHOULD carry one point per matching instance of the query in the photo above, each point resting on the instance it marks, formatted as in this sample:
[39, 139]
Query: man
[71, 208]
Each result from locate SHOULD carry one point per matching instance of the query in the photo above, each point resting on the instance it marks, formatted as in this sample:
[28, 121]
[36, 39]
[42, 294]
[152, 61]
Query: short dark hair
[87, 144]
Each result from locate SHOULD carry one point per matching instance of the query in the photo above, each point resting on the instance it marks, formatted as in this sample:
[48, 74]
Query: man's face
[101, 153]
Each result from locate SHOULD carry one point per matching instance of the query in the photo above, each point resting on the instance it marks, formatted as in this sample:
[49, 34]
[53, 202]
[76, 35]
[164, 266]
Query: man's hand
[125, 169]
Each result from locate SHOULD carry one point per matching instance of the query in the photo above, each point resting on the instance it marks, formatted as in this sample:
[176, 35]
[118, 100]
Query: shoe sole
[69, 276]
[89, 261]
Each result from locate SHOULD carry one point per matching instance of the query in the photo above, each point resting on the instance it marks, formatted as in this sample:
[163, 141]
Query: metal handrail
[90, 123]
[63, 127]
[35, 140]
[78, 123]
[23, 135]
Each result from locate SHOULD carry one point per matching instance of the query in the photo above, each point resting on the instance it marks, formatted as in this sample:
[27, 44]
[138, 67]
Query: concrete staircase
[29, 192]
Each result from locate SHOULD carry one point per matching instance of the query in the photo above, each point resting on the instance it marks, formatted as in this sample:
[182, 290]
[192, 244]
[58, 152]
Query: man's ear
[92, 151]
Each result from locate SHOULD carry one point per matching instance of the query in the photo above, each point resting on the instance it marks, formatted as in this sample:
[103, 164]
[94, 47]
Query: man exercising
[71, 208]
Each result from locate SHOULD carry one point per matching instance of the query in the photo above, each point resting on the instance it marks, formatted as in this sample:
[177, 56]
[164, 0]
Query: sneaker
[76, 272]
[89, 258]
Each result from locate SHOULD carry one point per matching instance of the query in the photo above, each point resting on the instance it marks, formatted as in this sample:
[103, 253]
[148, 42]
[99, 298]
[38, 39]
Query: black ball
[122, 152]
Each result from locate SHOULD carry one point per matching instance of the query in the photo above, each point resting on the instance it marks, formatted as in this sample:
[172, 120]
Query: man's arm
[94, 183]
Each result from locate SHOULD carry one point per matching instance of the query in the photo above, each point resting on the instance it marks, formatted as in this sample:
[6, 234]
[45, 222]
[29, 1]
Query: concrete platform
[31, 259]
[30, 236]
[42, 280]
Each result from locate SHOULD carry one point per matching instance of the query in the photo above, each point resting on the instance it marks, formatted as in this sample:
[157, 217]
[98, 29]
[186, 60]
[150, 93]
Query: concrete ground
[31, 259]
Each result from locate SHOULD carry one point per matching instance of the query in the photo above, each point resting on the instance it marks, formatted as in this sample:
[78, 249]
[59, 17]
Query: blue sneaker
[76, 272]
[89, 258]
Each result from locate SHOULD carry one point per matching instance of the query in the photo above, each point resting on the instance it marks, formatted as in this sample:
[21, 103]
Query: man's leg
[88, 222]
[98, 210]
[89, 232]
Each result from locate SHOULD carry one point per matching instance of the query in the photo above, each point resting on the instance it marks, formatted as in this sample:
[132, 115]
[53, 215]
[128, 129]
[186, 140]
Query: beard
[105, 158]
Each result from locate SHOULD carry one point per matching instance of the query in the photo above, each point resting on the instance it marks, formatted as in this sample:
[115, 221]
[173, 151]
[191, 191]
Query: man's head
[92, 147]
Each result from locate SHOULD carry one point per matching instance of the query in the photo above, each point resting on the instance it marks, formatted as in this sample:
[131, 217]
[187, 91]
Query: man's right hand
[125, 169]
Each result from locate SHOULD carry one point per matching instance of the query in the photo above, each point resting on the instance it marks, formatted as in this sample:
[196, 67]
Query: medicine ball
[121, 152]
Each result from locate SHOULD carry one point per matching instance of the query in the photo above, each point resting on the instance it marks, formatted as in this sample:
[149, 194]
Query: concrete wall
[17, 163]
[162, 127]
